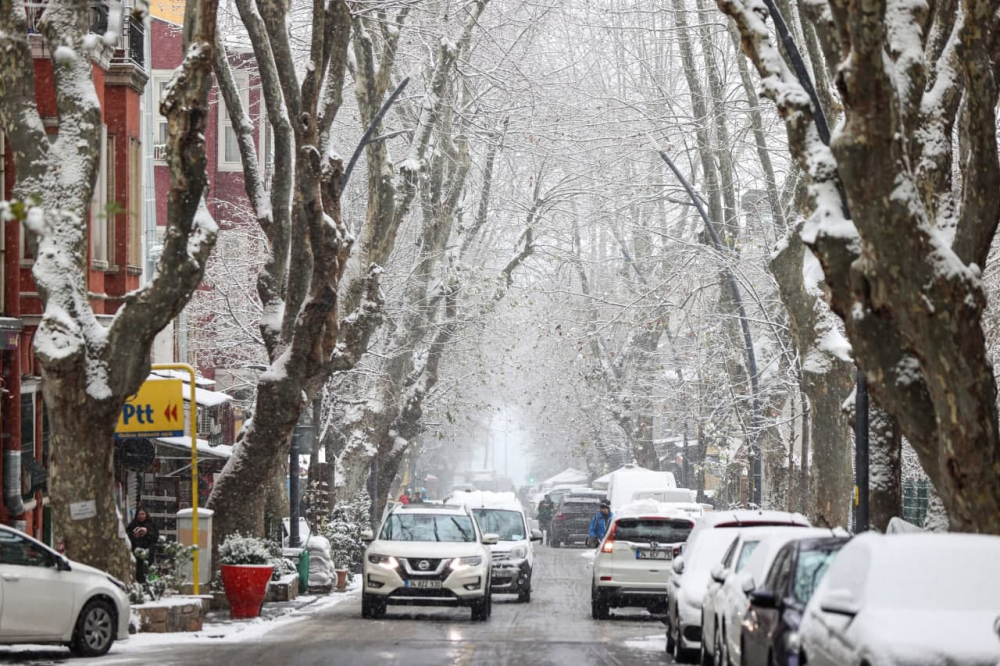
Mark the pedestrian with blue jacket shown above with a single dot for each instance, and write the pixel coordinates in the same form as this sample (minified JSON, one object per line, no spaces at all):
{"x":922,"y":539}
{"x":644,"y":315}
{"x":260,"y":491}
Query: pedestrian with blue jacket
{"x":599,"y":523}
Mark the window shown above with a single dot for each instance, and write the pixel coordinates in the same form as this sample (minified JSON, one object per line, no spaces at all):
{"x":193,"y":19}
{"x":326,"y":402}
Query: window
{"x":777,"y":578}
{"x":18,"y":551}
{"x":28,"y":423}
{"x":649,"y":530}
{"x":812,"y":566}
{"x":160,"y":80}
{"x":507,"y":524}
{"x":428,"y":527}
{"x":134,"y":250}
{"x":748,"y":548}
{"x":229,"y":148}
{"x":100,"y":222}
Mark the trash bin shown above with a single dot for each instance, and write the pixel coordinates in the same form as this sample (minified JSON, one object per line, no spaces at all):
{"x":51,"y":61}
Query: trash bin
{"x":303,"y":571}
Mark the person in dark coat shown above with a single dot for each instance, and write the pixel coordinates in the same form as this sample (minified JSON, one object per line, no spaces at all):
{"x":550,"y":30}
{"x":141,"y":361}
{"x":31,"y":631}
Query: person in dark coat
{"x":143,"y":533}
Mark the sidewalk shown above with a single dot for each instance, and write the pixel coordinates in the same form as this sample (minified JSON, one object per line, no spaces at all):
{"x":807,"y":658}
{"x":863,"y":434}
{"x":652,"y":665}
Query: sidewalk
{"x":219,"y":627}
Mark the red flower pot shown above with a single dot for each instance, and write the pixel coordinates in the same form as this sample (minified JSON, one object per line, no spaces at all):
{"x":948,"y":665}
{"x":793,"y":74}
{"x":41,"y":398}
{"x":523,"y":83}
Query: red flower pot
{"x":246,"y":587}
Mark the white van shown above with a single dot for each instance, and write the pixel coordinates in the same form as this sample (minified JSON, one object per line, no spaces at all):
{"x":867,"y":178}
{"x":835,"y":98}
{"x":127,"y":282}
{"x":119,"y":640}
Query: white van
{"x":631,"y":478}
{"x":513,"y":555}
{"x":681,"y":499}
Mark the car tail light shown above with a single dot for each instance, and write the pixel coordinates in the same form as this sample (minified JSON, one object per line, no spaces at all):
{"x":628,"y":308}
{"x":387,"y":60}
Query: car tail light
{"x":561,"y":516}
{"x":609,"y":541}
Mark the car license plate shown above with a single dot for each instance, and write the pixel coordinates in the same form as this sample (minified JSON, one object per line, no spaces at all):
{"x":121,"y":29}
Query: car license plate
{"x":653,"y":555}
{"x":424,"y":584}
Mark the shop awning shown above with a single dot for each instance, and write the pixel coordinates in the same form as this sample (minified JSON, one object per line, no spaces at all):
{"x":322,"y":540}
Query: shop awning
{"x":204,"y":448}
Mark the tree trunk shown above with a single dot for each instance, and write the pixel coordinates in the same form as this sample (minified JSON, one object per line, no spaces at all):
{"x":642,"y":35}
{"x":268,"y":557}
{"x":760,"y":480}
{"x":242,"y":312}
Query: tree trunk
{"x":804,"y":476}
{"x":80,"y":466}
{"x":885,"y":471}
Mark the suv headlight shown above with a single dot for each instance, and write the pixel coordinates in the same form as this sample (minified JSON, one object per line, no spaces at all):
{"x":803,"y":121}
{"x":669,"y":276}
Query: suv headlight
{"x":465,"y":562}
{"x":518,"y":552}
{"x":385,"y":560}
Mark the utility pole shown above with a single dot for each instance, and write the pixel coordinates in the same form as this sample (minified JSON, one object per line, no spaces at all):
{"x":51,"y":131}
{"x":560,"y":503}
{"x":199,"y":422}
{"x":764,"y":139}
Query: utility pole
{"x":861,"y":488}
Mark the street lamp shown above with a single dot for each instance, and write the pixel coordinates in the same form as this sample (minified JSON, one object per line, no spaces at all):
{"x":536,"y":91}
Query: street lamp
{"x":302,"y":442}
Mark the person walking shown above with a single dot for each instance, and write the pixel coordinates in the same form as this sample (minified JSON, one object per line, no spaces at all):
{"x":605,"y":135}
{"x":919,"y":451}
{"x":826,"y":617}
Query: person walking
{"x":143,"y":534}
{"x":545,"y":509}
{"x":599,"y":523}
{"x":404,"y":498}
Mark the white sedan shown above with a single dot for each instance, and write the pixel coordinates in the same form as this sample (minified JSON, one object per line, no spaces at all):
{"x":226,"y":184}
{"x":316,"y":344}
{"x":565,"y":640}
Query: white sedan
{"x":907,"y":599}
{"x":45,"y":598}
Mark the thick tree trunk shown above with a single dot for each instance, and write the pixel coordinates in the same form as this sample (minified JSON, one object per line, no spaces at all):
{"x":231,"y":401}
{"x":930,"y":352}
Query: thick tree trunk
{"x":804,"y":475}
{"x":885,"y":480}
{"x":81,"y":474}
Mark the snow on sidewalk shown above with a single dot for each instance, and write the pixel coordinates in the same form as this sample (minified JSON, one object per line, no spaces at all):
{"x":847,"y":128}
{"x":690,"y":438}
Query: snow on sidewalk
{"x":219,"y":627}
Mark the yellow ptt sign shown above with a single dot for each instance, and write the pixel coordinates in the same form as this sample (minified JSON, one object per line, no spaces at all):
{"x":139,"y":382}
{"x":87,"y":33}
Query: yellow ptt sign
{"x":157,"y":410}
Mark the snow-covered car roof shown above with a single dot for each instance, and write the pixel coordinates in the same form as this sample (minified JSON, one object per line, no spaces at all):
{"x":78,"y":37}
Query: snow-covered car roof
{"x":650,"y":508}
{"x":749,"y":518}
{"x":485,"y":499}
{"x":444,"y":509}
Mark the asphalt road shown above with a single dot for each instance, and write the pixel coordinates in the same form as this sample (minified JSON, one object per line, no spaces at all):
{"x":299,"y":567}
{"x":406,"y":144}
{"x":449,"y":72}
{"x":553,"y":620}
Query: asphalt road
{"x":554,"y":629}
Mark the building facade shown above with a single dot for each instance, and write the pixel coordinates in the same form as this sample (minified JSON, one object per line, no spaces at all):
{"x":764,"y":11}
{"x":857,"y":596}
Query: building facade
{"x":114,"y":261}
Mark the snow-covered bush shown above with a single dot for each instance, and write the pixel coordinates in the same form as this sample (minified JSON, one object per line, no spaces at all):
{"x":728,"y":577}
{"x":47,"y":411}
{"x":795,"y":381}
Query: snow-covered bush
{"x":282,"y":567}
{"x":165,"y":576}
{"x":240,"y":549}
{"x":344,"y":531}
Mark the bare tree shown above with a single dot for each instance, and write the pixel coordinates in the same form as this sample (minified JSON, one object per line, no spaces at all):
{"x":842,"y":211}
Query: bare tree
{"x":88,"y":371}
{"x":904,"y":273}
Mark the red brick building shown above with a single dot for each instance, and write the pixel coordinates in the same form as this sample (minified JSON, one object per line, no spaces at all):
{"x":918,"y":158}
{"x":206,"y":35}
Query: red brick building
{"x":115,"y":257}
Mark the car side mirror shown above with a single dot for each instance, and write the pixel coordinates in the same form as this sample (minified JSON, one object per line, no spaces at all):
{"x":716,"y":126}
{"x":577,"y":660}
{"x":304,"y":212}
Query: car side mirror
{"x":536,"y":535}
{"x":719,"y":573}
{"x":747,"y":585}
{"x":679,"y":565}
{"x":763,"y":599}
{"x":367,"y":536}
{"x":491,"y":539}
{"x":840,"y":602}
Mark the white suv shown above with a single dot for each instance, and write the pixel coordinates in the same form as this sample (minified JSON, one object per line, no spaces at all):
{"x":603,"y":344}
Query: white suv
{"x":632,"y":563}
{"x":428,"y":555}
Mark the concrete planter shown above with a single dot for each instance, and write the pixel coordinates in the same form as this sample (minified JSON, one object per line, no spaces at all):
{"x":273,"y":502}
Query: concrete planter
{"x":171,"y":615}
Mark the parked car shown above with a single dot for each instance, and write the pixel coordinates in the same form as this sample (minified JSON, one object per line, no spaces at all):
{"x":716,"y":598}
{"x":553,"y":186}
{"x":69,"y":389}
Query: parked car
{"x":632,"y":563}
{"x":904,"y":599}
{"x":691,"y":571}
{"x":46,"y":598}
{"x":513,"y":556}
{"x":571,"y":521}
{"x":744,"y":568}
{"x":428,"y":555}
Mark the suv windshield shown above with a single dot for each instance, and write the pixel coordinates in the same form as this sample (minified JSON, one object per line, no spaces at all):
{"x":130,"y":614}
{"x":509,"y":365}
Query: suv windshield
{"x":507,"y":524}
{"x":427,"y":527}
{"x":647,"y":530}
{"x":580,"y":505}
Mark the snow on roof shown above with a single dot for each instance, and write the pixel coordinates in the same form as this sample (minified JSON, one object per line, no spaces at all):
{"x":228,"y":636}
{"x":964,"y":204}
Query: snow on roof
{"x":204,"y":397}
{"x":568,"y":475}
{"x":184,"y":444}
{"x":485,"y":499}
{"x":177,"y":374}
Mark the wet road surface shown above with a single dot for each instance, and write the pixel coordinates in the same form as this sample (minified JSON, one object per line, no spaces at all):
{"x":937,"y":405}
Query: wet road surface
{"x":554,"y":629}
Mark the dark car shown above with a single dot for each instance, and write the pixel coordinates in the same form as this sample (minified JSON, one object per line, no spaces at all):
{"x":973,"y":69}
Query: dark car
{"x":571,"y":520}
{"x":771,"y":626}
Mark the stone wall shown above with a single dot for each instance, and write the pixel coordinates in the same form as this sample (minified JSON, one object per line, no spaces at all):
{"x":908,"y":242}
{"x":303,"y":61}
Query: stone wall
{"x":171,"y":615}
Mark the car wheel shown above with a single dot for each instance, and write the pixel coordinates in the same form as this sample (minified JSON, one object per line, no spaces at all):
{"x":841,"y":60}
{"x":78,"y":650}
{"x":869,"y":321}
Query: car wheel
{"x":704,"y":657}
{"x":683,"y":655}
{"x":599,"y":609}
{"x":372,"y":607}
{"x":524,"y":594}
{"x":670,"y":634}
{"x":481,"y":609}
{"x":96,"y":629}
